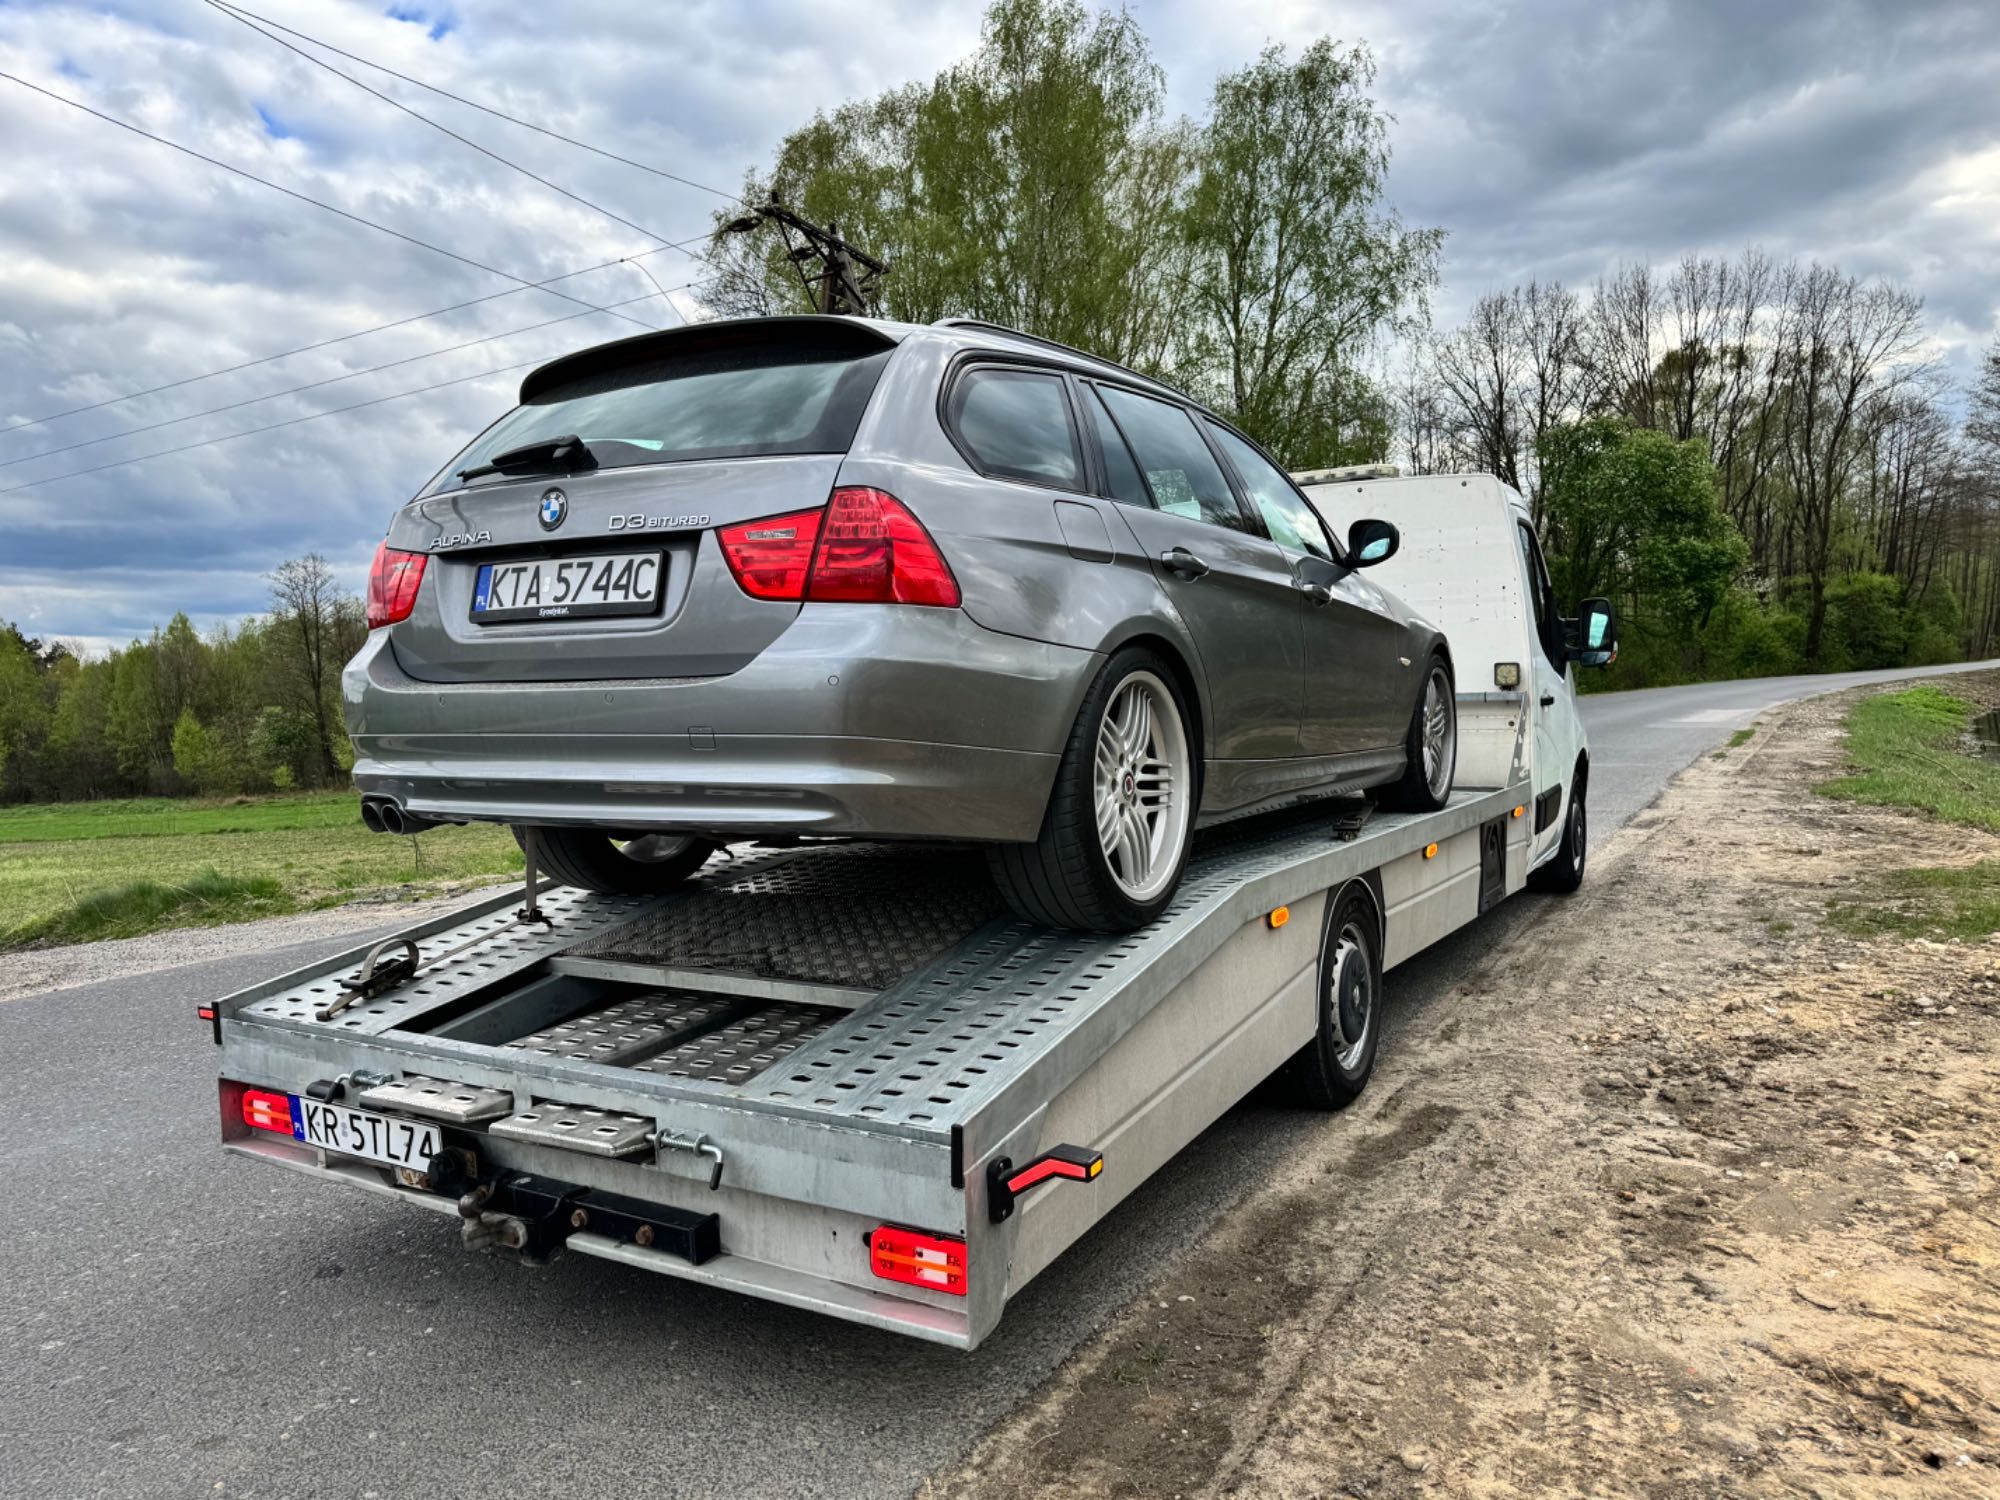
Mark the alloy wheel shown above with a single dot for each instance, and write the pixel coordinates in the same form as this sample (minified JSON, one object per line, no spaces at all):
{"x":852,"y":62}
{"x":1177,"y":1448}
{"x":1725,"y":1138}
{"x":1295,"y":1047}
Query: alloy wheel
{"x":1144,"y":786}
{"x":1440,"y":733}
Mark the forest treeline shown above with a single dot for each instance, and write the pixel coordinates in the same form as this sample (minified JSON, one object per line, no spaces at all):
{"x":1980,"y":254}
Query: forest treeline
{"x":254,"y":707}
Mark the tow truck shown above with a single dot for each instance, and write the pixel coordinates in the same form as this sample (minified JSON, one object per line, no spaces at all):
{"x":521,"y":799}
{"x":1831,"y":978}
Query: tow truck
{"x":843,"y":1077}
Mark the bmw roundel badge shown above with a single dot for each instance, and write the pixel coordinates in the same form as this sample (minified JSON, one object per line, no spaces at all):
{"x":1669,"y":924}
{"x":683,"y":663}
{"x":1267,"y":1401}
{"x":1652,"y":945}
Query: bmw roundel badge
{"x":555,"y":505}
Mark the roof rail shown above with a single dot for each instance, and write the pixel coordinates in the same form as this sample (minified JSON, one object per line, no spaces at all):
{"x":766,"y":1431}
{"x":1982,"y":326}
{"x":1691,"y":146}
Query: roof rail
{"x":1346,"y":472}
{"x":987,"y":326}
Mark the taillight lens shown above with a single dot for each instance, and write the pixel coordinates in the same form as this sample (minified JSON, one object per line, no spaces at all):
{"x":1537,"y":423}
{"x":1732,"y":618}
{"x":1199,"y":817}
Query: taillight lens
{"x":918,"y":1259}
{"x":264,"y":1110}
{"x":772,"y":557}
{"x":393,"y":580}
{"x":864,"y":548}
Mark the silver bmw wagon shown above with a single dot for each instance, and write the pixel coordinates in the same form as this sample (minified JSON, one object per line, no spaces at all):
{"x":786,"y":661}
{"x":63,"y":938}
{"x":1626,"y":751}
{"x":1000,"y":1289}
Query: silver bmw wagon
{"x":815,"y":577}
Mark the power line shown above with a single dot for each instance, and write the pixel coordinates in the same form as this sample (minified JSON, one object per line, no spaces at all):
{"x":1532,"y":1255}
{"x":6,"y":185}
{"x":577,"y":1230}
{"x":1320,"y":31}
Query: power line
{"x":485,"y":108}
{"x":301,"y":197}
{"x":268,"y":427}
{"x":266,"y":359}
{"x":330,"y":380}
{"x":320,"y":62}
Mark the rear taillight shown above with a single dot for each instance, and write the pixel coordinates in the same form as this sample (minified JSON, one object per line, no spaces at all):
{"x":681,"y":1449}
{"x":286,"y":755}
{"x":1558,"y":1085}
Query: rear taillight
{"x":393,"y":581}
{"x":918,"y":1259}
{"x":264,"y":1110}
{"x":864,"y":548}
{"x":771,"y":557}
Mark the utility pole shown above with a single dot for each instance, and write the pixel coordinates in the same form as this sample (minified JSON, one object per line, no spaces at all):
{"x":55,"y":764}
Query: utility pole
{"x":846,"y":277}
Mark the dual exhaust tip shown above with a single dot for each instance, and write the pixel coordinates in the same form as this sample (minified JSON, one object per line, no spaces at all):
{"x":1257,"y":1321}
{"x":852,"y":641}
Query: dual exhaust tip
{"x":386,"y":815}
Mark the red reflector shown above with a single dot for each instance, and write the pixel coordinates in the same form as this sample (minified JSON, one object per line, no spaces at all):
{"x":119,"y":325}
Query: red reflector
{"x":206,"y":1012}
{"x":917,"y":1259}
{"x":771,"y":557}
{"x":393,"y":580}
{"x":264,"y":1110}
{"x":873,"y":551}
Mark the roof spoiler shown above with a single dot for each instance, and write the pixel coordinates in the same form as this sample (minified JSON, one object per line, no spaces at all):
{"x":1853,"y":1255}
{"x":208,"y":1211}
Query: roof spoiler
{"x":848,"y":335}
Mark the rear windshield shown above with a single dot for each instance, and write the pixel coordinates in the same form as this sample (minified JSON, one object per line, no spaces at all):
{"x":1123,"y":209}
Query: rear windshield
{"x":739,"y":402}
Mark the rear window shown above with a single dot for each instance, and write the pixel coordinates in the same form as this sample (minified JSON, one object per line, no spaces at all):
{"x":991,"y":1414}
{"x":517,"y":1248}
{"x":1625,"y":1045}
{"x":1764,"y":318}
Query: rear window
{"x":737,"y":402}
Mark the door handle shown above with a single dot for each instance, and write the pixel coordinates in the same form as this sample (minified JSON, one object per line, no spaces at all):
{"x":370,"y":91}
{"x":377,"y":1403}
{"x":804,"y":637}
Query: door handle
{"x":1183,"y":563}
{"x":1318,"y":593}
{"x":1548,"y":700}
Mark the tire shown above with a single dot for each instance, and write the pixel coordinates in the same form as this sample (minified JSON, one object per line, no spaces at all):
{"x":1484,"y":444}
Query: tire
{"x":1430,"y":744}
{"x":1332,"y":1069}
{"x":597,"y":861}
{"x":1564,"y":873}
{"x":1120,"y":820}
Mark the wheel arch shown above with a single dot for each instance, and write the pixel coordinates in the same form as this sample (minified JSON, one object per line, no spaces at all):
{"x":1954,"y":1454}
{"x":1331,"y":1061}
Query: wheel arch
{"x":1186,"y":677}
{"x":1370,"y":886}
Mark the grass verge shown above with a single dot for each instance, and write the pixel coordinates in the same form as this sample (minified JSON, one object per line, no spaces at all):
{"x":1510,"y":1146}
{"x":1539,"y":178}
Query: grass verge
{"x":1908,"y":750}
{"x":86,"y":871}
{"x":1962,"y":903}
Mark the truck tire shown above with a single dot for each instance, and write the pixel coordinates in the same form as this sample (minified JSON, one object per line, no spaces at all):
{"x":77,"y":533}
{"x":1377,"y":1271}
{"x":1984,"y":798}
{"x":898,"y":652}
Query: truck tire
{"x":1430,"y":744}
{"x":1120,"y":820}
{"x":1564,"y":874}
{"x":1331,"y":1070}
{"x":594,"y":860}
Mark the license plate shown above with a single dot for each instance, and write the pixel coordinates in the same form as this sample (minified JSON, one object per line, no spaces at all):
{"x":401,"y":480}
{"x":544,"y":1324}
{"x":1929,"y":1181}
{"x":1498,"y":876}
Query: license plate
{"x":362,"y":1133}
{"x":567,"y":588}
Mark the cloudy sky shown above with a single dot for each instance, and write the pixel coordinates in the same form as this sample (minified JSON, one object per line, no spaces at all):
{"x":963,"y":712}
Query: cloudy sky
{"x":1551,"y":138}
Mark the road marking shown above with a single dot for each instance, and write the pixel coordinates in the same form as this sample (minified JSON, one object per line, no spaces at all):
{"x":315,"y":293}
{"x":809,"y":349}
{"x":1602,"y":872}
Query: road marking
{"x":1713,"y":716}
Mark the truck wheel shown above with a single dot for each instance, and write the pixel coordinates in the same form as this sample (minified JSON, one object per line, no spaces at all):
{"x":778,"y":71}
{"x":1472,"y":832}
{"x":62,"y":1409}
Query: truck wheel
{"x":1564,"y":873}
{"x":1331,"y":1070}
{"x":599,"y":861}
{"x":1120,"y":820}
{"x":1430,"y":745}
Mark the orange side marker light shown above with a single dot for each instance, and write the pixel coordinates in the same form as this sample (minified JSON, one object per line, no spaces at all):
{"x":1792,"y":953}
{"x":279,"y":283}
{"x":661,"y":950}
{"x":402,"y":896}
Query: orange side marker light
{"x":1430,"y":851}
{"x":1279,"y":916}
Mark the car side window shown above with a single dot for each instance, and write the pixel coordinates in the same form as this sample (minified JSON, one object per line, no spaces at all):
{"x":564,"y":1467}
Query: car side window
{"x":1016,"y":424}
{"x":1541,"y":594}
{"x":1122,"y":478}
{"x":1290,"y":520}
{"x":1183,"y":475}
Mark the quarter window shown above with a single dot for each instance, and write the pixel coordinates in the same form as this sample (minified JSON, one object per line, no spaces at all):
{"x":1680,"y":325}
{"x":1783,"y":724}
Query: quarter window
{"x":1287,"y":516}
{"x":1182,"y":474}
{"x":1122,"y":478}
{"x":1015,"y":423}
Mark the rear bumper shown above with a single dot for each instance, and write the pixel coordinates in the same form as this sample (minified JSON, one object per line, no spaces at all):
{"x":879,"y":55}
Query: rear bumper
{"x":888,"y":722}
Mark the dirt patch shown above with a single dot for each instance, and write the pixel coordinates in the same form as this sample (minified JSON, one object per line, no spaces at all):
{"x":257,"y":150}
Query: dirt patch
{"x":1684,"y":1195}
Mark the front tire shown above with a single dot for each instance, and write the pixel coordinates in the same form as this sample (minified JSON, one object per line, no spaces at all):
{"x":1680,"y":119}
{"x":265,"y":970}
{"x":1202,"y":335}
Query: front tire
{"x":1430,"y":744}
{"x":1120,"y":819}
{"x":597,"y":861}
{"x":1332,"y":1069}
{"x":1564,"y":873}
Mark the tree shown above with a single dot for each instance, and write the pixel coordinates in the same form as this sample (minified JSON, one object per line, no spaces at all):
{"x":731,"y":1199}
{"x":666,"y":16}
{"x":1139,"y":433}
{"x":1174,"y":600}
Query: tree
{"x":1298,"y":265}
{"x":23,"y":708}
{"x":195,"y":756}
{"x":314,"y":631}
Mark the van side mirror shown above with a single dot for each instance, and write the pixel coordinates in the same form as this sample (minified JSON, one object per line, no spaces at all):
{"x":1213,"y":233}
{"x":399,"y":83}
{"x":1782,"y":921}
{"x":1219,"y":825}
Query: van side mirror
{"x":1596,"y":639}
{"x":1370,"y":542}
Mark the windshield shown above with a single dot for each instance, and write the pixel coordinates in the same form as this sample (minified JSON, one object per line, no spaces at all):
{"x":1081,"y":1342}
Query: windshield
{"x":718,"y":403}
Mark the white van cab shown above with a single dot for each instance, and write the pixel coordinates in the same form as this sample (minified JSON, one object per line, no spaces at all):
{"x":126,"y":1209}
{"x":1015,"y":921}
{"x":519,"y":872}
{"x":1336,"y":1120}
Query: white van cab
{"x":1512,"y":653}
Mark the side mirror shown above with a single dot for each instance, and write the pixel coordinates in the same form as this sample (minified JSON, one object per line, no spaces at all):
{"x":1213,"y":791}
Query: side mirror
{"x":1370,"y":542}
{"x":1596,"y":634}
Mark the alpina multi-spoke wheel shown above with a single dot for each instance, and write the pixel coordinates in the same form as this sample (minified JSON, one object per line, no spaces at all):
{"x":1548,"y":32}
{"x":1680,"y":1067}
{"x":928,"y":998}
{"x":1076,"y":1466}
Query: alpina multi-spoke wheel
{"x":1120,"y":819}
{"x":1431,"y":743}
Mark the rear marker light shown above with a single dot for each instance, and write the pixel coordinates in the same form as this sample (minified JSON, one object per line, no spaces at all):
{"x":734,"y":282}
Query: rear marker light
{"x":1005,"y":1182}
{"x":918,"y":1259}
{"x":864,"y":548}
{"x":264,"y":1110}
{"x":393,"y":580}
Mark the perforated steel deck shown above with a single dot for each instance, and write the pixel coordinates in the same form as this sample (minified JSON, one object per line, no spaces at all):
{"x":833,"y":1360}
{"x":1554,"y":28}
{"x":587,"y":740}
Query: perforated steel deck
{"x":629,"y":1030}
{"x":859,"y":915}
{"x":744,"y":1048}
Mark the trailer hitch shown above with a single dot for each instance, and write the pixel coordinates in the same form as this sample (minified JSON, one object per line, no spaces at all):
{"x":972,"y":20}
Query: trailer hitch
{"x":1005,"y":1182}
{"x":535,"y":1215}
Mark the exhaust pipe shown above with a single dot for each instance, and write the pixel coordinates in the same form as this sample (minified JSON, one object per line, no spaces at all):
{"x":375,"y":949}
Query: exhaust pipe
{"x":386,"y":815}
{"x":391,"y":816}
{"x":371,"y":815}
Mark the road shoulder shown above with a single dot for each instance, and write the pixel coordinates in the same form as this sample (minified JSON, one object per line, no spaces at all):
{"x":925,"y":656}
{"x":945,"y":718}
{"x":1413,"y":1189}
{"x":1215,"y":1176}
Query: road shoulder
{"x":1684,"y":1193}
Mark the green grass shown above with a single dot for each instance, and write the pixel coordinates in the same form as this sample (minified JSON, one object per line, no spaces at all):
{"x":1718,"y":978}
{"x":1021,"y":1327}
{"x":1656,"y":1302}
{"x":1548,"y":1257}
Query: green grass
{"x":1963,"y":903}
{"x":77,"y":872}
{"x":1908,"y":748}
{"x":1741,"y":737}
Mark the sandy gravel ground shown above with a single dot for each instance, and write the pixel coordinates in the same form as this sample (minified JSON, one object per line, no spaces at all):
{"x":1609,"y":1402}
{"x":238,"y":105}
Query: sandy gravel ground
{"x":33,"y":971}
{"x":1670,"y":1200}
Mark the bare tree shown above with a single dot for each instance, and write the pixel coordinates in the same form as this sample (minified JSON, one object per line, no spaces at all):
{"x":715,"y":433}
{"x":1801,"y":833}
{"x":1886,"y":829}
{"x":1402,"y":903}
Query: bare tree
{"x":314,"y":622}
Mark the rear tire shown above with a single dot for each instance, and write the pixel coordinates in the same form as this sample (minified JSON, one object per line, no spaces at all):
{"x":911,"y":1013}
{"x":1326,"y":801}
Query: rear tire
{"x":594,"y":860}
{"x":1332,"y":1069}
{"x":1120,"y":818}
{"x":1564,"y":874}
{"x":1430,"y":744}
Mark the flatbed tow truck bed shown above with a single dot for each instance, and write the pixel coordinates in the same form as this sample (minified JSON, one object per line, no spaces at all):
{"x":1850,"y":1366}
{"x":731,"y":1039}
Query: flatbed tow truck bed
{"x":841,"y":1077}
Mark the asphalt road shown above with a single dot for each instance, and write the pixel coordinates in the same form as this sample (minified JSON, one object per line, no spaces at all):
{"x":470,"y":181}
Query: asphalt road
{"x":182,"y":1323}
